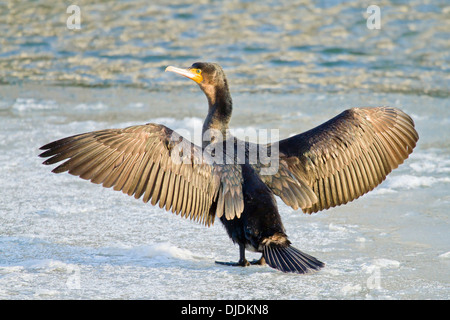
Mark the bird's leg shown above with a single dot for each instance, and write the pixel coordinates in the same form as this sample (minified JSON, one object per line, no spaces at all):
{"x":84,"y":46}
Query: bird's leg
{"x":242,"y":261}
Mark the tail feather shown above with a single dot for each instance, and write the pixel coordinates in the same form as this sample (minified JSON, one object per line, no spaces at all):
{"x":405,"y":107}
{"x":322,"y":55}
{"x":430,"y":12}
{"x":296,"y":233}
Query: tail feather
{"x":290,"y":259}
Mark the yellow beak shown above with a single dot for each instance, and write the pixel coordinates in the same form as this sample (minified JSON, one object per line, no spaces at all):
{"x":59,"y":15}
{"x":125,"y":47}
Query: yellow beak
{"x":189,"y":73}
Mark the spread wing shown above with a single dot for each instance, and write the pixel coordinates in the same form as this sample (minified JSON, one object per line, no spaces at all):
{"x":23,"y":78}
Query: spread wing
{"x":153,"y":162}
{"x":348,"y":155}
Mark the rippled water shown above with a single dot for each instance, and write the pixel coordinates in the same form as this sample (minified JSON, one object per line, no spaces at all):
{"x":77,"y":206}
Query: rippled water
{"x":291,"y":65}
{"x":278,"y":45}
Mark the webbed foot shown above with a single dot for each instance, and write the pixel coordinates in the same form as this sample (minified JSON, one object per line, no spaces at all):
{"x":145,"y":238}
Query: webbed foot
{"x":260,"y":262}
{"x":240,"y":263}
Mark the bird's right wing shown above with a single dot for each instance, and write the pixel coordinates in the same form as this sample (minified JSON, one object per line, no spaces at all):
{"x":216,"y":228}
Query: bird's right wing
{"x":151,"y":161}
{"x":348,"y":155}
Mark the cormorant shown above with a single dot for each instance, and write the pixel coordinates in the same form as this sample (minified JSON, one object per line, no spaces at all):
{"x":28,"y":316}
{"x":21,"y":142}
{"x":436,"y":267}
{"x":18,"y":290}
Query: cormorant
{"x":324,"y":167}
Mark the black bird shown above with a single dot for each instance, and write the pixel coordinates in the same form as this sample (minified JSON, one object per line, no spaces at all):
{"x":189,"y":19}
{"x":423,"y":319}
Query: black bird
{"x":324,"y":167}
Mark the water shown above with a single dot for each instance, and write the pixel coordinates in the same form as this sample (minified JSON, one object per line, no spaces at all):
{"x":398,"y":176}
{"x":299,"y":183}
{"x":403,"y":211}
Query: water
{"x":291,"y":66}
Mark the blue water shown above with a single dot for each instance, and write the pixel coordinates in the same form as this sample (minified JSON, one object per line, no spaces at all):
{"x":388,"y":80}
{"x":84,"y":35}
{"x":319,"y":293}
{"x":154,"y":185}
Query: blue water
{"x":290,"y":66}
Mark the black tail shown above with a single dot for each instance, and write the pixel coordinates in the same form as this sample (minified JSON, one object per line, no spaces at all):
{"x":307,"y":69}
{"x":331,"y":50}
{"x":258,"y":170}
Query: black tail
{"x":290,"y":259}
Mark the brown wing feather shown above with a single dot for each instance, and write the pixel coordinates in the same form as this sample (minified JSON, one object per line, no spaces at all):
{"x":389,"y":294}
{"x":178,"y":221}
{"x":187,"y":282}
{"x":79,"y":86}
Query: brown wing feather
{"x":293,"y":191}
{"x":350,"y":154}
{"x":230,"y":197}
{"x":137,"y":160}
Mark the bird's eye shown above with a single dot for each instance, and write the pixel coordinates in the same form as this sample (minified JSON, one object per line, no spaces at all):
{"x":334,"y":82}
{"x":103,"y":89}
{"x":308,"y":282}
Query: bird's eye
{"x":199,"y":71}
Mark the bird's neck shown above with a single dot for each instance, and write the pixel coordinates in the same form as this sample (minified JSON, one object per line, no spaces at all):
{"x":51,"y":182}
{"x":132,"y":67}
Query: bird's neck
{"x":219,"y":111}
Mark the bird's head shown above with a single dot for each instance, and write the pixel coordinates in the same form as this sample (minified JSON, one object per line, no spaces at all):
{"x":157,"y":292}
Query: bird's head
{"x":209,"y":76}
{"x":205,"y":73}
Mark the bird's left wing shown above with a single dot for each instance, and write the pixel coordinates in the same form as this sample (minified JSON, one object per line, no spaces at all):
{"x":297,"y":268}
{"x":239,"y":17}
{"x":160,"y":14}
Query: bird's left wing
{"x":148,"y":160}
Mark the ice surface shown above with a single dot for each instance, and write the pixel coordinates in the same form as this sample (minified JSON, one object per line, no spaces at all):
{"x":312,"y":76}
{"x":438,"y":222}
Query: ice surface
{"x":62,"y":237}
